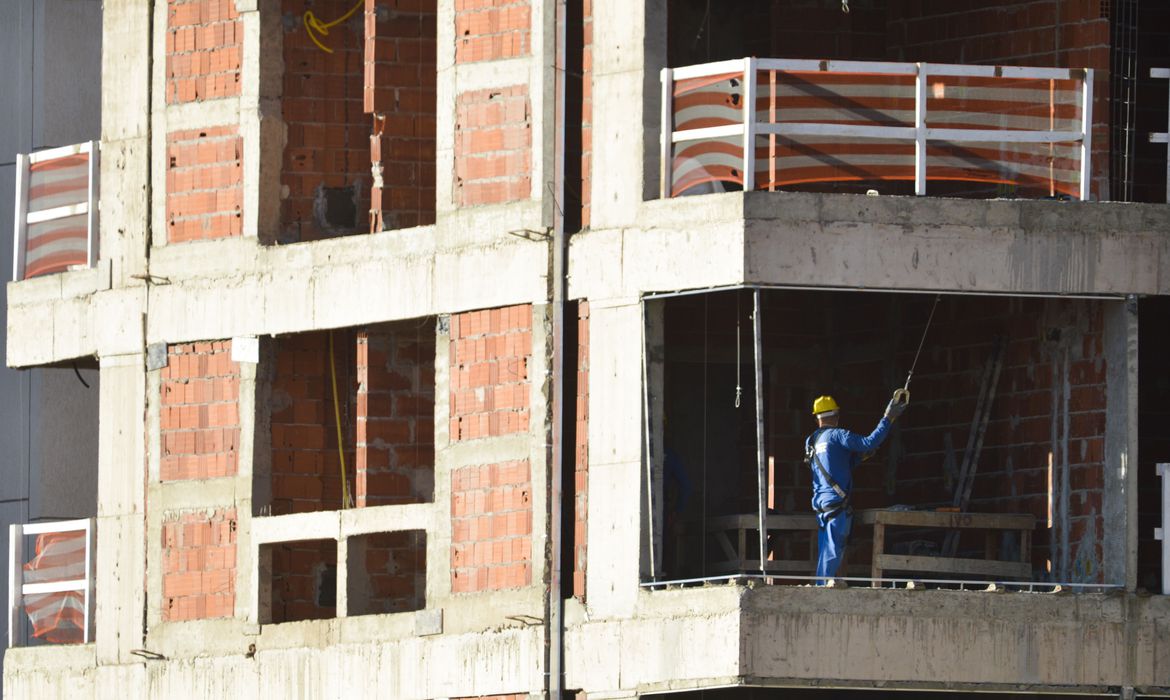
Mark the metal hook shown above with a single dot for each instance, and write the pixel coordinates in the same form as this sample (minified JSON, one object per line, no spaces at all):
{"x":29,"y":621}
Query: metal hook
{"x":845,"y":6}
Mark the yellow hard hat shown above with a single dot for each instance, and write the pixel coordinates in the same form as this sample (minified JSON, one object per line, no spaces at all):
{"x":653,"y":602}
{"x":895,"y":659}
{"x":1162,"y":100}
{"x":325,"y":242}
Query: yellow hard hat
{"x":824,"y":404}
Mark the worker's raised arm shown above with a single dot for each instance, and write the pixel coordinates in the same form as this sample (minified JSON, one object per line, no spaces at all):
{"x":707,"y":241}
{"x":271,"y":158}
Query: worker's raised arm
{"x":856,"y":443}
{"x":868,"y":443}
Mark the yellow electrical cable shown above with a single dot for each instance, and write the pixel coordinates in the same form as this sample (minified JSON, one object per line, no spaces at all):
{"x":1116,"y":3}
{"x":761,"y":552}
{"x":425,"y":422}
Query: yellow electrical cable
{"x":337,"y":417}
{"x":322,"y":28}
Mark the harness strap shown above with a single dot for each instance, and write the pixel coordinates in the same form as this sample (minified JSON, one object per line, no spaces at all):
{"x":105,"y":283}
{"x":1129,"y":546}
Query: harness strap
{"x":816,"y":460}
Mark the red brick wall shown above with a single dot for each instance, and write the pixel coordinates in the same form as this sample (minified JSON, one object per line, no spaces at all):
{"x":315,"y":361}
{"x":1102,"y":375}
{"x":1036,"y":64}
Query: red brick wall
{"x":200,"y":415}
{"x":400,"y":74}
{"x":328,"y":134}
{"x":204,"y":184}
{"x":581,"y":454}
{"x":491,"y":29}
{"x":199,"y":565}
{"x":204,"y":39}
{"x":395,"y":414}
{"x":489,"y":357}
{"x":493,"y":146}
{"x":491,"y":520}
{"x":305,"y":462}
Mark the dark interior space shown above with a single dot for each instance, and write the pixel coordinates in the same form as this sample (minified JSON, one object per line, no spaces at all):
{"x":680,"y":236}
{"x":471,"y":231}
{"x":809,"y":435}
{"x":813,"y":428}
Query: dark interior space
{"x":387,"y":573}
{"x":303,"y":581}
{"x":1153,"y":433}
{"x":1036,"y":449}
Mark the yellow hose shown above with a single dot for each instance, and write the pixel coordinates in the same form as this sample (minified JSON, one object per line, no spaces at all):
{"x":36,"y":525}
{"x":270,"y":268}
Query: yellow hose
{"x":313,"y":24}
{"x":345,"y":502}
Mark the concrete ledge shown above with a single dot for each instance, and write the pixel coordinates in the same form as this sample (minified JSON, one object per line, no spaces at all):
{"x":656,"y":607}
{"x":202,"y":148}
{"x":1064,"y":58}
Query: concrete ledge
{"x":951,"y":639}
{"x":895,"y":243}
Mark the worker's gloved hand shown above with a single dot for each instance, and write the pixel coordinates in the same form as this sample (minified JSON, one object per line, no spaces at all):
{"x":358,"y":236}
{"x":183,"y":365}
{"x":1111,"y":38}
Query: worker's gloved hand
{"x":894,"y":409}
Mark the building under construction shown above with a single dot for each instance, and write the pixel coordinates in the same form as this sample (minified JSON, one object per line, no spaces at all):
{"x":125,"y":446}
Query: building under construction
{"x":467,"y":348}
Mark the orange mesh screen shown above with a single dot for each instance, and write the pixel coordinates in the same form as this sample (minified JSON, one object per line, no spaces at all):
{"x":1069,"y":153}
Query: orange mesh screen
{"x":57,"y":617}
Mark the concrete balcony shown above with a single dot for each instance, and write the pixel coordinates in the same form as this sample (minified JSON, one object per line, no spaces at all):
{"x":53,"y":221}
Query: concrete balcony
{"x":878,"y":242}
{"x":776,"y":636}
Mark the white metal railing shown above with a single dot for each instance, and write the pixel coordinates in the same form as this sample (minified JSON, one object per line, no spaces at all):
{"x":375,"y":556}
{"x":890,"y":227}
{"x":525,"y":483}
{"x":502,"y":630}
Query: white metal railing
{"x":732,"y":138}
{"x":56,"y":221}
{"x":19,"y":591}
{"x":1163,"y":137}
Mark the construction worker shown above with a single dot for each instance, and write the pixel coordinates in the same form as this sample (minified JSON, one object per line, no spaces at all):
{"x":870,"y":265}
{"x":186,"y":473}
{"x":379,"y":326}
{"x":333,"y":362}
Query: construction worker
{"x":833,"y":453}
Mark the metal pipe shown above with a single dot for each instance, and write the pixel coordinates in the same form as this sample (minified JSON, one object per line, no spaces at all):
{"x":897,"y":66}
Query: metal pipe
{"x":761,"y":474}
{"x":815,"y":288}
{"x":555,"y":603}
{"x":728,"y":578}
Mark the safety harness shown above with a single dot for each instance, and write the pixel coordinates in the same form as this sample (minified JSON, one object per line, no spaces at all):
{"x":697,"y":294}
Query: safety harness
{"x":811,"y":457}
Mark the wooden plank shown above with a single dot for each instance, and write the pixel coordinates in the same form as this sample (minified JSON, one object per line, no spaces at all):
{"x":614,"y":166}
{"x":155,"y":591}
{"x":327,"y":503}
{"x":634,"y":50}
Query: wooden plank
{"x":879,"y":548}
{"x":949,"y":520}
{"x":950,"y":565}
{"x":775,"y":521}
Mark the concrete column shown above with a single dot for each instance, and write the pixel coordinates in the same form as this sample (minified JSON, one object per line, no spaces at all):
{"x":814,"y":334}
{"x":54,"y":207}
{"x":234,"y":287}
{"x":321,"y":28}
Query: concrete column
{"x":629,"y":51}
{"x":617,"y":507}
{"x":121,"y":518}
{"x":125,"y":165}
{"x":261,"y":123}
{"x":1120,"y":500}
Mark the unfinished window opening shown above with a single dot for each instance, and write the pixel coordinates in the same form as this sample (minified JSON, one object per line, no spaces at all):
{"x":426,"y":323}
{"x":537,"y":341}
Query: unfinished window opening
{"x":370,"y":390}
{"x":1036,"y":455}
{"x":303,"y":580}
{"x":386,"y":572}
{"x":359,"y":103}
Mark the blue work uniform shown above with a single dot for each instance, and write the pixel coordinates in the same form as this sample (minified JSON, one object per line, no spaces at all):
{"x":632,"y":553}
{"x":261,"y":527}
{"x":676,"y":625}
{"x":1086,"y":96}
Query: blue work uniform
{"x":839,"y":452}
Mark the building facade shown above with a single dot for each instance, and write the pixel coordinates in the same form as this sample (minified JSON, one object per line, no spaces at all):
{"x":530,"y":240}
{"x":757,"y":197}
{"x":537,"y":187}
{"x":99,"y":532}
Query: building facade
{"x":422,"y":375}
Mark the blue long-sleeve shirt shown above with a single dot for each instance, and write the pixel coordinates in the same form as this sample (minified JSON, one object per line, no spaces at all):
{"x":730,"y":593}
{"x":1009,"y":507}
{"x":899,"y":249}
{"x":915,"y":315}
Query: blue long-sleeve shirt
{"x":840,"y":452}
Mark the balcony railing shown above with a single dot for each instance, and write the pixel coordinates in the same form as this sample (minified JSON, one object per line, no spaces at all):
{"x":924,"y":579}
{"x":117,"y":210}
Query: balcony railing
{"x":55,"y":587}
{"x":766,"y":124}
{"x":56,"y":210}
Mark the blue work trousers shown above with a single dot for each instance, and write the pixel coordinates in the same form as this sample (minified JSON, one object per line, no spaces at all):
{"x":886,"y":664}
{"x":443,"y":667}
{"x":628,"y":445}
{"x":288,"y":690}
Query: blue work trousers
{"x":831,"y":540}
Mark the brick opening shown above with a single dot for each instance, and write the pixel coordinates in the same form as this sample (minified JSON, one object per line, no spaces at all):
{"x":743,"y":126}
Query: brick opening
{"x":1045,"y":430}
{"x":302,"y":584}
{"x":386,"y":572}
{"x":1003,"y":32}
{"x":385,"y":380}
{"x":360,"y":152}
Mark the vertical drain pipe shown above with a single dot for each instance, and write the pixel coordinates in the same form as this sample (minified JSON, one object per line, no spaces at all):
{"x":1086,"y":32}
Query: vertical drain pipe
{"x":555,"y":604}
